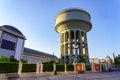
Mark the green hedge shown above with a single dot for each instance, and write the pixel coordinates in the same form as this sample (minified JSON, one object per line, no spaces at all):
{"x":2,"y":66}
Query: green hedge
{"x":47,"y":67}
{"x":70,"y":67}
{"x":29,"y":68}
{"x":88,"y":67}
{"x":60,"y":67}
{"x":8,"y":67}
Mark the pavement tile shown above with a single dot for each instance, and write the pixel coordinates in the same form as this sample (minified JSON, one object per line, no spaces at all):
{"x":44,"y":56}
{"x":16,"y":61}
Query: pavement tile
{"x":85,"y":76}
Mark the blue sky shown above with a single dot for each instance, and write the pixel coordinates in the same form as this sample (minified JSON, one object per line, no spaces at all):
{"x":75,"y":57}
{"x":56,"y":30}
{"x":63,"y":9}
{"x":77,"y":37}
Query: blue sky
{"x":36,"y":20}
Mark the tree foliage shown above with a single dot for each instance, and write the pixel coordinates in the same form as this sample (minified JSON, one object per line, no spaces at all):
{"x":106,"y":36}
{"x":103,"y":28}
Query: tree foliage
{"x":12,"y":59}
{"x":81,"y":58}
{"x":24,"y":61}
{"x":117,"y":59}
{"x":4,"y":59}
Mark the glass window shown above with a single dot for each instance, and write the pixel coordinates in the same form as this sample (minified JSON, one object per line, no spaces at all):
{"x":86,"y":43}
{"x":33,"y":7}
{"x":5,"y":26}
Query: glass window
{"x":8,"y":45}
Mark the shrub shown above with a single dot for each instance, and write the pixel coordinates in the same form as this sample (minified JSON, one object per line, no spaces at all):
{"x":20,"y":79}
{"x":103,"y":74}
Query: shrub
{"x":60,"y":67}
{"x":50,"y":62}
{"x":8,"y":67}
{"x":4,"y":59}
{"x":47,"y":67}
{"x":70,"y":67}
{"x":29,"y":68}
{"x":12,"y":59}
{"x":24,"y":61}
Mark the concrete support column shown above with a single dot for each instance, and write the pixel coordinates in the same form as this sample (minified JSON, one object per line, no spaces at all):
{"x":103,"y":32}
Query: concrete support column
{"x":62,"y":37}
{"x":64,"y":48}
{"x":37,"y":68}
{"x":74,"y":67}
{"x":86,"y":47}
{"x":70,"y":48}
{"x":20,"y":68}
{"x":69,"y":35}
{"x":64,"y":44}
{"x":61,"y":49}
{"x":61,"y":52}
{"x":54,"y":67}
{"x":83,"y":65}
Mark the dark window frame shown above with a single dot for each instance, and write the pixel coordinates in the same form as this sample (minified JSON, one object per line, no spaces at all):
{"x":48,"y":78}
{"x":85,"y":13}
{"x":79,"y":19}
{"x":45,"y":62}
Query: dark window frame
{"x":8,"y":45}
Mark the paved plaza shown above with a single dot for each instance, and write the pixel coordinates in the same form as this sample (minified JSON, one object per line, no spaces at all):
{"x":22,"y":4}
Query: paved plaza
{"x":85,"y":76}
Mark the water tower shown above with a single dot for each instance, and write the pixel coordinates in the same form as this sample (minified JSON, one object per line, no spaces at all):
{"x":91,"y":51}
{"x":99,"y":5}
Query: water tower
{"x":73,"y":25}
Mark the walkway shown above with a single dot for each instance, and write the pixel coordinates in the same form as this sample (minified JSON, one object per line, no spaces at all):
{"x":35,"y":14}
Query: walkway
{"x":86,"y":76}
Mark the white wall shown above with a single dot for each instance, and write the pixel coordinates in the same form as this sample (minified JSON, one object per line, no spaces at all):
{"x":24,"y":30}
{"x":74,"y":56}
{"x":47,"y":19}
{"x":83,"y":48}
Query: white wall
{"x":0,"y":34}
{"x":17,"y":53}
{"x":6,"y":36}
{"x":9,"y":37}
{"x":6,"y":53}
{"x":19,"y":49}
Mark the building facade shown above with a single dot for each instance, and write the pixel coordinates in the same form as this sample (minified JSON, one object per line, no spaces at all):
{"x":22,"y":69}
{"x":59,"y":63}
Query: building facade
{"x":34,"y":56}
{"x":107,"y":59}
{"x":73,"y":25}
{"x":94,"y":61}
{"x":11,"y":42}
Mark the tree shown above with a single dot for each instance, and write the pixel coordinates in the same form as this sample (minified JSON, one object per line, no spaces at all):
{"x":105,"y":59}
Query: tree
{"x":117,"y":59}
{"x":4,"y":59}
{"x":12,"y":59}
{"x":24,"y":61}
{"x":81,"y":58}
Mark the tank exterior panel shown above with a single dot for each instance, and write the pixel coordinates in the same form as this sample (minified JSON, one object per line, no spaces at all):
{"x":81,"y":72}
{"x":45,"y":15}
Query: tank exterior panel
{"x":72,"y":16}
